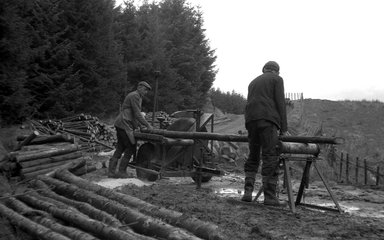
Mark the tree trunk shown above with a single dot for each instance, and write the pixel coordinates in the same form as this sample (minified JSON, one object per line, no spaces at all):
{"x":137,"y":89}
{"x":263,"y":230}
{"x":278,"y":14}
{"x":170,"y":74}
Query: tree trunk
{"x":81,"y":206}
{"x":48,"y":165}
{"x":200,"y":228}
{"x":139,"y":222}
{"x":52,"y":159}
{"x":48,"y":139}
{"x":47,"y":153}
{"x":42,"y":218}
{"x":27,"y":140}
{"x":62,"y":165}
{"x":30,"y":226}
{"x":100,"y":229}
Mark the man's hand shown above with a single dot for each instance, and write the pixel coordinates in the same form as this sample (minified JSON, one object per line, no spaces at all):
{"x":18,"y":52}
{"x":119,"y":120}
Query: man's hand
{"x":286,"y":133}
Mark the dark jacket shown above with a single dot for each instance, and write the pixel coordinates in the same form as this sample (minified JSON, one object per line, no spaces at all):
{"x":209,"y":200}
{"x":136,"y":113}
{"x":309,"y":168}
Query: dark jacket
{"x":266,"y":100}
{"x":130,"y":115}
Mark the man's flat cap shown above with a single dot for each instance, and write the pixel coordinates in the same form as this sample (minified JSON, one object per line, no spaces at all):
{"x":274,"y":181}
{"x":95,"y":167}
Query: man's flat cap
{"x":145,"y":84}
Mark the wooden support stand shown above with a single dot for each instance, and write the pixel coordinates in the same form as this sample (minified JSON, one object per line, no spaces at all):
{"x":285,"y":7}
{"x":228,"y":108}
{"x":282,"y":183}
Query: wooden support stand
{"x":304,"y":183}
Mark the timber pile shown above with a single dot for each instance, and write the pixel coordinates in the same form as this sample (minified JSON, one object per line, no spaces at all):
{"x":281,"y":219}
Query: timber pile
{"x":162,"y":119}
{"x":64,"y":206}
{"x":38,"y":154}
{"x":88,"y":129}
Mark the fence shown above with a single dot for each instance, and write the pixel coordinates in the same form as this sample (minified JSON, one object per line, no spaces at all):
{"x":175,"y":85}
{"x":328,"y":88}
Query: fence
{"x":294,"y":96}
{"x":355,"y":170}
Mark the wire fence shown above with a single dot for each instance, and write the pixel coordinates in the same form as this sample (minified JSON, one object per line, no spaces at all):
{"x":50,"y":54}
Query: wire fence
{"x":354,"y":170}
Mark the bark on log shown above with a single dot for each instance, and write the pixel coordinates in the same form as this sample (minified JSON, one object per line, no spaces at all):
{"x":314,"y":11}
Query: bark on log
{"x":67,"y":166}
{"x":64,"y":165}
{"x":84,"y":170}
{"x":27,"y":140}
{"x":200,"y":228}
{"x":43,"y":218}
{"x":98,"y":228}
{"x":30,"y":226}
{"x":47,"y":165}
{"x":48,"y":153}
{"x":49,"y":139}
{"x":138,"y":221}
{"x":81,"y":206}
{"x":52,"y":159}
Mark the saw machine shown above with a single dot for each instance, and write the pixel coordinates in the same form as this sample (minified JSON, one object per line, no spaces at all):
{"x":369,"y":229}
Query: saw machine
{"x":161,"y":156}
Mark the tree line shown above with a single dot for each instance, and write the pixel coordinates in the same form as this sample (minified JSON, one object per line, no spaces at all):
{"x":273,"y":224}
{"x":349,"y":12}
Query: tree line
{"x":229,"y":102}
{"x":61,"y":57}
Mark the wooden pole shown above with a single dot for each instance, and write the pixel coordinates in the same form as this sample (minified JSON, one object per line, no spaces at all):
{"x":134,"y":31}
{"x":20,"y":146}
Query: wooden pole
{"x":341,"y":167}
{"x":365,"y":172}
{"x":357,"y":170}
{"x":347,"y":169}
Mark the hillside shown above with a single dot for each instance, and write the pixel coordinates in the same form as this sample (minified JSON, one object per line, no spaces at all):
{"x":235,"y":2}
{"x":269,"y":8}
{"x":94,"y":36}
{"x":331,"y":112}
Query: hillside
{"x":360,"y":123}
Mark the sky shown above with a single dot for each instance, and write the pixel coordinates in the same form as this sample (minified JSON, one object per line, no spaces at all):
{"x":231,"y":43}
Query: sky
{"x":326,"y":49}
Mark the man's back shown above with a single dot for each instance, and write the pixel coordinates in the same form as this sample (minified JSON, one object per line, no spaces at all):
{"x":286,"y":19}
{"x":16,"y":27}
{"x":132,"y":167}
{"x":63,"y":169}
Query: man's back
{"x":266,"y":100}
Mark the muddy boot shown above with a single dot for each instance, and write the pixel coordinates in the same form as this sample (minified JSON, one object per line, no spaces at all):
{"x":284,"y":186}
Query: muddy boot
{"x":248,"y":186}
{"x":270,"y":197}
{"x":122,"y":172}
{"x":112,"y":167}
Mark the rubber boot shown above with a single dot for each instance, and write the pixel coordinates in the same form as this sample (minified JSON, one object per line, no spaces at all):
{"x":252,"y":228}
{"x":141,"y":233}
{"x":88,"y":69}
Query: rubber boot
{"x":248,"y":186}
{"x":270,"y":198}
{"x":122,"y":172}
{"x":112,"y":167}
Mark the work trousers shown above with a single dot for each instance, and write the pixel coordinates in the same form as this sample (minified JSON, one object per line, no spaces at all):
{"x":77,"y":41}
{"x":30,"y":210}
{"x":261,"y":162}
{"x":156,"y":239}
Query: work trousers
{"x":263,"y":140}
{"x":124,"y":145}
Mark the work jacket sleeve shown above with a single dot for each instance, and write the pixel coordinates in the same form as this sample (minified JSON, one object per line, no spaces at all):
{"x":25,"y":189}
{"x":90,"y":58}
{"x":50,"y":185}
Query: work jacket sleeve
{"x":280,"y":104}
{"x":136,"y":110}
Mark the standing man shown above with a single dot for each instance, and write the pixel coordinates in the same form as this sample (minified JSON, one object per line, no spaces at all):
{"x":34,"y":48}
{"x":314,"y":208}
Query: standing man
{"x":265,"y":118}
{"x":126,"y":122}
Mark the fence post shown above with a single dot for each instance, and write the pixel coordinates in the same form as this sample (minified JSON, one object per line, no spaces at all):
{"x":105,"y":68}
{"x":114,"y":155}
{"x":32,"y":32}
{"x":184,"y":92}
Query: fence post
{"x":365,"y":172}
{"x":347,"y":169}
{"x":378,"y":176}
{"x":357,"y":170}
{"x":341,"y":167}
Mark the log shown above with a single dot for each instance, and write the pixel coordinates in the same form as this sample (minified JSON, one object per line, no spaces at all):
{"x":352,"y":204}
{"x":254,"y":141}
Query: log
{"x":42,"y":218}
{"x":139,"y":222}
{"x":67,"y":166}
{"x":95,"y":141}
{"x":239,"y":138}
{"x":95,"y":227}
{"x":41,"y":139}
{"x":81,"y":206}
{"x":58,"y":158}
{"x":200,"y":228}
{"x":84,"y":170}
{"x":27,"y":140}
{"x":47,"y":165}
{"x":64,"y":165}
{"x":48,"y":153}
{"x":30,"y":226}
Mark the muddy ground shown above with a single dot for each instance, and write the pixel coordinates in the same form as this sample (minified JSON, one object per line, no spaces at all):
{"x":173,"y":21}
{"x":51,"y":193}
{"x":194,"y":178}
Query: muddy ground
{"x":218,"y":202}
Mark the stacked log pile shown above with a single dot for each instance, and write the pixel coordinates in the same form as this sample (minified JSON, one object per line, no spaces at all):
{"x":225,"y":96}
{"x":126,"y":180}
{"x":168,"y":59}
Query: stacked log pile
{"x":88,"y":129}
{"x":64,"y":206}
{"x":38,"y":154}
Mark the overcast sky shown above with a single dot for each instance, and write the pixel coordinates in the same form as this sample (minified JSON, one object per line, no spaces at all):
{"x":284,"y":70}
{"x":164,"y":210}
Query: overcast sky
{"x":327,"y":49}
